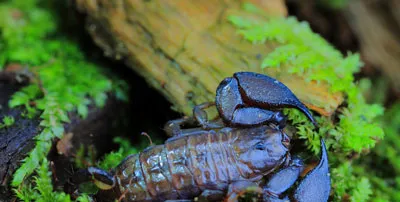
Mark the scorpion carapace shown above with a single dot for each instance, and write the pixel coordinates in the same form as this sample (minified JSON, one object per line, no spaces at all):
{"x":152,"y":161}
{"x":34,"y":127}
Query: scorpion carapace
{"x":208,"y":165}
{"x":247,"y":98}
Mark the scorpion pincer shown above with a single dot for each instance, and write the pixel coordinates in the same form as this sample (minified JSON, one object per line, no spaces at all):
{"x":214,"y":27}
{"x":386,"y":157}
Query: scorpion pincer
{"x":221,"y":159}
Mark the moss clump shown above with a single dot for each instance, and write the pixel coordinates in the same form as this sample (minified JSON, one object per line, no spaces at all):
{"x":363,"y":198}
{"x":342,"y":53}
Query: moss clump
{"x":43,"y":190}
{"x":63,"y":81}
{"x":111,"y":160}
{"x":305,"y":53}
{"x":383,"y":165}
{"x":7,"y":122}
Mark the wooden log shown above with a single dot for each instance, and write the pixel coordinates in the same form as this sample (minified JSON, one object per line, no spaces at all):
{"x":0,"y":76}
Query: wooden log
{"x":185,"y":48}
{"x":13,"y":148}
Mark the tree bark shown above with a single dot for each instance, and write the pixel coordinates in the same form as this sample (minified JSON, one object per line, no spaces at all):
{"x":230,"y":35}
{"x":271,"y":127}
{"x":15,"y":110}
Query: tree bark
{"x":185,"y":48}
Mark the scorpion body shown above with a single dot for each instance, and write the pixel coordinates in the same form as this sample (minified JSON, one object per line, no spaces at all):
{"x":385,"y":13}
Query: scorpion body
{"x":186,"y":166}
{"x":224,"y":158}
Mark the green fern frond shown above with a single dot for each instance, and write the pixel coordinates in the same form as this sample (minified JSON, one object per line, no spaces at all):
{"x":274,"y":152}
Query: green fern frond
{"x":306,"y":53}
{"x":43,"y":180}
{"x":63,"y":81}
{"x":31,"y":162}
{"x":84,"y":198}
{"x":362,"y":191}
{"x":25,"y":193}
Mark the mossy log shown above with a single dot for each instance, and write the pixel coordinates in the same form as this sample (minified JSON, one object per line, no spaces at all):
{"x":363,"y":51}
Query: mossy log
{"x":185,"y":48}
{"x":17,"y":140}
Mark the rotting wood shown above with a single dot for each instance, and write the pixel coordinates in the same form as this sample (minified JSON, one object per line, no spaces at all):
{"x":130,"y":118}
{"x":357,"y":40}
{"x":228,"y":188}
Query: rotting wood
{"x":185,"y":48}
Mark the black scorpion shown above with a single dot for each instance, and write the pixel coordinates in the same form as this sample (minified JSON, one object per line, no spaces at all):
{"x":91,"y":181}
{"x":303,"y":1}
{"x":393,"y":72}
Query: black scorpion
{"x":221,"y":159}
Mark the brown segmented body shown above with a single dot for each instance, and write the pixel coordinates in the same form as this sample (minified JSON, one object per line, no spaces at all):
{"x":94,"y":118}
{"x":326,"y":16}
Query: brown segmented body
{"x":185,"y":166}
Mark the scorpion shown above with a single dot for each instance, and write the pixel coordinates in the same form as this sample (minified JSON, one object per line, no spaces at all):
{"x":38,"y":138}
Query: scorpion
{"x":223,"y":158}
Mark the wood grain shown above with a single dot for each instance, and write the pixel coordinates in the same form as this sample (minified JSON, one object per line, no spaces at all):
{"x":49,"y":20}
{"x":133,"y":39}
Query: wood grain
{"x":185,"y":48}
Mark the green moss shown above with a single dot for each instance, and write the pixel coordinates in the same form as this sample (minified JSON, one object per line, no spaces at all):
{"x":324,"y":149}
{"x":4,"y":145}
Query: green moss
{"x":63,"y":82}
{"x":43,"y":190}
{"x":349,"y":181}
{"x":383,"y":166}
{"x":22,"y":23}
{"x":84,"y":198}
{"x":7,"y":122}
{"x":111,"y":160}
{"x":305,"y":53}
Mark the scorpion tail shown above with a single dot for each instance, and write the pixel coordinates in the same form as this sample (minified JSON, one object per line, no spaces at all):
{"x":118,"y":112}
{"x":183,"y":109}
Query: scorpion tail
{"x":102,"y":179}
{"x":316,"y":185}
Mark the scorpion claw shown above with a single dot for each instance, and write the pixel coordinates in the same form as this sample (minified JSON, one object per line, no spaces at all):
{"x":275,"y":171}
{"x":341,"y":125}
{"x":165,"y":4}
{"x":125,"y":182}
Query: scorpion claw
{"x":266,"y":92}
{"x":316,"y":185}
{"x":228,"y":98}
{"x":255,"y":116}
{"x":245,"y":100}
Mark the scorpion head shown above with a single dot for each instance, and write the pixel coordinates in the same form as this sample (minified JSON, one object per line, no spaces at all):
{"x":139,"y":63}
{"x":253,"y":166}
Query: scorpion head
{"x":261,"y":150}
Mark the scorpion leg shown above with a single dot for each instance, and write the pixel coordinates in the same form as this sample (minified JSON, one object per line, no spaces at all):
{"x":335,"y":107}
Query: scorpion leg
{"x":188,"y":132}
{"x":201,"y":116}
{"x":239,"y":188}
{"x":282,"y":180}
{"x":316,"y":185}
{"x":174,"y":127}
